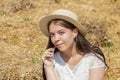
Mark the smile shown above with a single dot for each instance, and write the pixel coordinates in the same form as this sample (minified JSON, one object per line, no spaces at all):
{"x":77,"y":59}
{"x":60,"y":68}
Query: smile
{"x":59,"y":45}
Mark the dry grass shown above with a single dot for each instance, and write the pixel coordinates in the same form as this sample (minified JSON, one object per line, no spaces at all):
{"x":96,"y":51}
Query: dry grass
{"x":21,"y":42}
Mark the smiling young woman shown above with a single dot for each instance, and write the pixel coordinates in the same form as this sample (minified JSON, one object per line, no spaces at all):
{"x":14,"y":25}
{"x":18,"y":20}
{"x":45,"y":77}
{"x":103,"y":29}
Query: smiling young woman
{"x":69,"y":56}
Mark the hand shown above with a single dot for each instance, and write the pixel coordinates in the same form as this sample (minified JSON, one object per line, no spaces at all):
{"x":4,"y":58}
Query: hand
{"x":48,"y":57}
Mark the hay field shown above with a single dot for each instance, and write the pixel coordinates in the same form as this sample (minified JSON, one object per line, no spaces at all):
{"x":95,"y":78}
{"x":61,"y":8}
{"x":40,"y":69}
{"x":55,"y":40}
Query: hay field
{"x":22,"y":43}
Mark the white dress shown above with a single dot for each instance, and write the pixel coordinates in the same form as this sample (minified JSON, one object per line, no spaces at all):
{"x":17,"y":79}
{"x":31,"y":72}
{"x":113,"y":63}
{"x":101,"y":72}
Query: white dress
{"x":80,"y":71}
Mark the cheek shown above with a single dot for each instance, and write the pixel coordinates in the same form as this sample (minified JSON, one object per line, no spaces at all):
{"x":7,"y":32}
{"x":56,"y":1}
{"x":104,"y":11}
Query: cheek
{"x":52,"y":41}
{"x":68,"y":38}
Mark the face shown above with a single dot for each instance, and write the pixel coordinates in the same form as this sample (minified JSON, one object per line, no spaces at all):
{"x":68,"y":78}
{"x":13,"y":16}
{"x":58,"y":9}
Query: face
{"x":61,"y":37}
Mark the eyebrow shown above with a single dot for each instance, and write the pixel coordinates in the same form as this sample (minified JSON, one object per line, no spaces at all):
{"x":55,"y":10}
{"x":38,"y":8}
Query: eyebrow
{"x":58,"y":30}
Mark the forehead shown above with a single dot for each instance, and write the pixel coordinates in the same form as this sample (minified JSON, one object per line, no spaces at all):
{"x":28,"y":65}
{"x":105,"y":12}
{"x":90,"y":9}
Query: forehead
{"x":53,"y":27}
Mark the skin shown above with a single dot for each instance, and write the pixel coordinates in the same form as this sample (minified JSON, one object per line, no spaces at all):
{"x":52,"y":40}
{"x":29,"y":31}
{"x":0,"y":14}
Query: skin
{"x":63,"y":40}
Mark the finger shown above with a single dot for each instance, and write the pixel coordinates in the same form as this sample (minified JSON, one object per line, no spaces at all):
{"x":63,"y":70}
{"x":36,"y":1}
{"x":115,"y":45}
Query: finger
{"x":51,"y":50}
{"x":49,"y":53}
{"x":43,"y":57}
{"x":47,"y":56}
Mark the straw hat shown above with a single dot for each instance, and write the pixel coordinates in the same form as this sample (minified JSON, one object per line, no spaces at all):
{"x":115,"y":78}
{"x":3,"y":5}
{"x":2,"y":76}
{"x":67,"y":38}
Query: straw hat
{"x":61,"y":14}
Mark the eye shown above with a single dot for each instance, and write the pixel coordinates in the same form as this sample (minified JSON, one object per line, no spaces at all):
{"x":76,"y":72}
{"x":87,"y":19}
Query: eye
{"x":51,"y":35}
{"x":61,"y":32}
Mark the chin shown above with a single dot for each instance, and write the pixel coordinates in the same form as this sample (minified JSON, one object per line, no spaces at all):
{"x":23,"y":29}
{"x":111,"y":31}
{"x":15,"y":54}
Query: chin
{"x":62,"y":49}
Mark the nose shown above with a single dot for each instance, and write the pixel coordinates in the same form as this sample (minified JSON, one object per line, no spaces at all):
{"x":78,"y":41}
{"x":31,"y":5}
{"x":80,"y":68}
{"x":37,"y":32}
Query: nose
{"x":56,"y":38}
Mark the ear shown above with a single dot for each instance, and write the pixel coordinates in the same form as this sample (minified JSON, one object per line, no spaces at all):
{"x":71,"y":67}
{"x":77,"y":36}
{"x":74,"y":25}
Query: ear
{"x":75,"y":32}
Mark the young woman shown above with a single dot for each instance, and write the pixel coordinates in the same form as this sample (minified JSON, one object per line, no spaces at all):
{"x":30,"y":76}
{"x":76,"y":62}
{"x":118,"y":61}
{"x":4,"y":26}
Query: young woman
{"x":69,"y":56}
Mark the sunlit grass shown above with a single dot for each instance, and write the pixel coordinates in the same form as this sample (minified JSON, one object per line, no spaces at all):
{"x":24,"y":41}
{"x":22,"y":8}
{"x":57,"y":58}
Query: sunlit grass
{"x":22,"y":44}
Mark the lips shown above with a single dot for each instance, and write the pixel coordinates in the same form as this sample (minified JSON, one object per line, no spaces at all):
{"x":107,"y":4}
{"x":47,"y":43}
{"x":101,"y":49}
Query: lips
{"x":58,"y":45}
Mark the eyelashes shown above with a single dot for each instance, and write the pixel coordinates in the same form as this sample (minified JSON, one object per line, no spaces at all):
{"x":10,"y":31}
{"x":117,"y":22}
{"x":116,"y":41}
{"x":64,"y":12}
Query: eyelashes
{"x":58,"y":33}
{"x":61,"y":33}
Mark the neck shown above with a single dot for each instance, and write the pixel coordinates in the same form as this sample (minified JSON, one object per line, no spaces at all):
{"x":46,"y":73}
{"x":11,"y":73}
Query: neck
{"x":70,"y":52}
{"x":71,"y":57}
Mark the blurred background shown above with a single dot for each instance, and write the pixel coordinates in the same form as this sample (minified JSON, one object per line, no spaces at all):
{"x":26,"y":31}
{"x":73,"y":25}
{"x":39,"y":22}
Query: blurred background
{"x":22,"y":44}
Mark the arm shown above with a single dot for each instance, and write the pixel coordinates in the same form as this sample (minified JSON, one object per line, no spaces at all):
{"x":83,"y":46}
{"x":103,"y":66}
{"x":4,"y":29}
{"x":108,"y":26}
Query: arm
{"x":48,"y":60}
{"x":97,"y":73}
{"x":51,"y":74}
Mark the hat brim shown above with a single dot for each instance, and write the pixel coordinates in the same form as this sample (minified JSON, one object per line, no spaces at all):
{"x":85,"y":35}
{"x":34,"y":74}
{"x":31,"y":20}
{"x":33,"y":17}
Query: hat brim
{"x":43,"y":23}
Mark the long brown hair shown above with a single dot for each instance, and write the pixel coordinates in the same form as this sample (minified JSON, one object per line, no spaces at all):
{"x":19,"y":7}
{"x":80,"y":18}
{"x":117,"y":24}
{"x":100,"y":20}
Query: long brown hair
{"x":82,"y":43}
